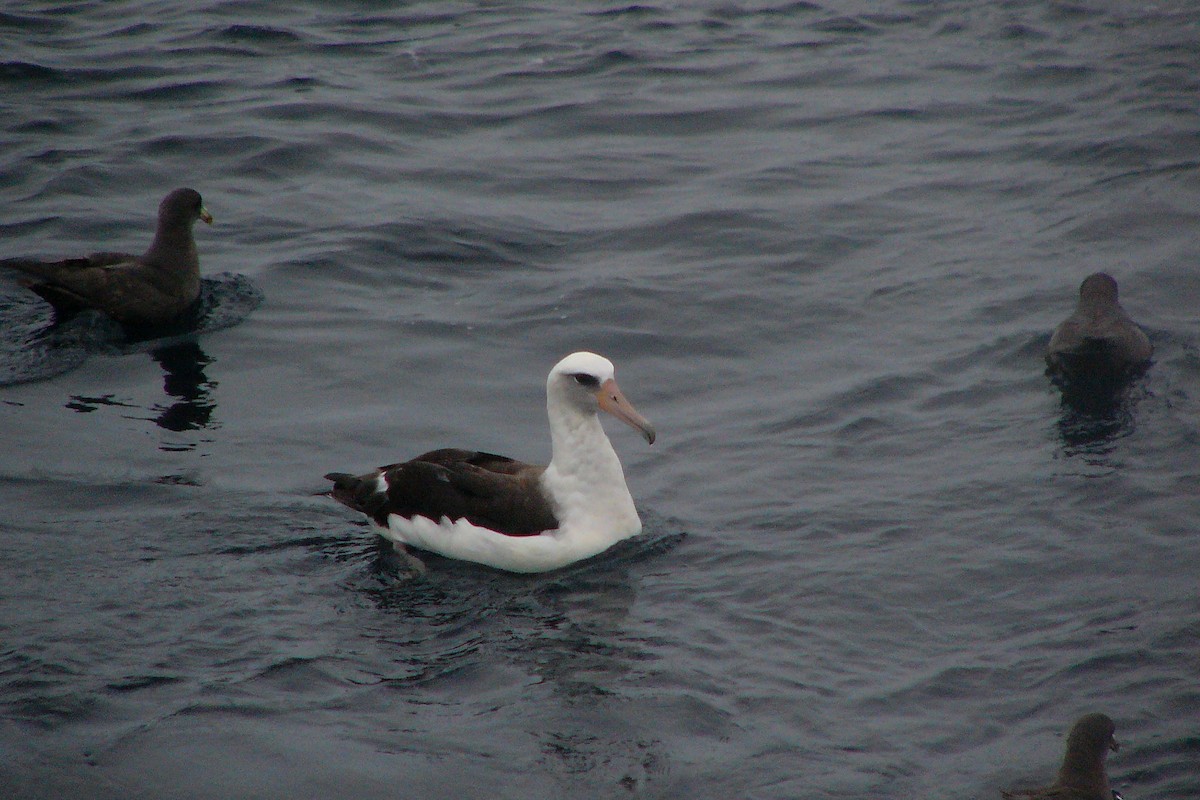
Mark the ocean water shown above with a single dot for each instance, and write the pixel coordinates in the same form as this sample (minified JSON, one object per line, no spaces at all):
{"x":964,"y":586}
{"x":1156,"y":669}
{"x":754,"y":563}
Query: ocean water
{"x":825,"y":245}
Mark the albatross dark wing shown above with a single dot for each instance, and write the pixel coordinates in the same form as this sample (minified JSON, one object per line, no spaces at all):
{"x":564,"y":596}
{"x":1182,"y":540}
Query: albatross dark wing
{"x":487,"y":490}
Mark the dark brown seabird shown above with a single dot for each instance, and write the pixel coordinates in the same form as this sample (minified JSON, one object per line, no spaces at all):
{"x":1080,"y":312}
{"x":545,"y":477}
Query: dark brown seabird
{"x":1099,"y":340}
{"x":504,"y":513}
{"x":1082,"y":775}
{"x":151,"y":289}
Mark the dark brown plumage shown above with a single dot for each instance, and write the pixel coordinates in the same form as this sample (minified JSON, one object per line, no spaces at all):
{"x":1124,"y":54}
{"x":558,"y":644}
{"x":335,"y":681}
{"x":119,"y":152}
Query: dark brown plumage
{"x":1099,"y":340}
{"x":151,"y":289}
{"x":1082,"y":775}
{"x":488,"y":490}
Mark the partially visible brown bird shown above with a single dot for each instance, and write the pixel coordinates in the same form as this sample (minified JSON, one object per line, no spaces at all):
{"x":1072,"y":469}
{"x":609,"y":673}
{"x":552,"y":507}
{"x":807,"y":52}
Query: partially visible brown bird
{"x":151,"y":289}
{"x":1082,"y":775}
{"x":1099,"y":340}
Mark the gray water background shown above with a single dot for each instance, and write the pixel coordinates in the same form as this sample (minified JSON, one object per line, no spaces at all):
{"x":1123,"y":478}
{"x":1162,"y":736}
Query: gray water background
{"x":824,"y":243}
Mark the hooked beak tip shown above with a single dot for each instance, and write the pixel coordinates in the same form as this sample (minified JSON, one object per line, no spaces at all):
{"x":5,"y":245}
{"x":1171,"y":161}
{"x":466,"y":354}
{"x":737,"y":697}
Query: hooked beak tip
{"x":613,"y":401}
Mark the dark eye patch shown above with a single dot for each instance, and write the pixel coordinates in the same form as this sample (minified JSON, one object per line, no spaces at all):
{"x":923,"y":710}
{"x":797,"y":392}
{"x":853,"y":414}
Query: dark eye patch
{"x":584,"y":379}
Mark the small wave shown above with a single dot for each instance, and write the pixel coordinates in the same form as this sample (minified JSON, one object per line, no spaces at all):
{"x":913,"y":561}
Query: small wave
{"x":24,"y":72}
{"x":846,"y":25}
{"x":174,"y":92}
{"x":257,"y":33}
{"x":29,"y":23}
{"x":134,"y":683}
{"x":28,"y":75}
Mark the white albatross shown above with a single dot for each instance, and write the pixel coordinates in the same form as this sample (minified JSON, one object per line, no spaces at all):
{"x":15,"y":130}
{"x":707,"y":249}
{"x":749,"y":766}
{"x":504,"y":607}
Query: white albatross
{"x":507,"y":514}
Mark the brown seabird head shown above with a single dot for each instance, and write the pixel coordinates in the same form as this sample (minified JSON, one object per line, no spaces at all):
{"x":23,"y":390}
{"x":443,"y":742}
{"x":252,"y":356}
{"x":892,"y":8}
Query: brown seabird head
{"x":1099,"y":287}
{"x":182,"y":207}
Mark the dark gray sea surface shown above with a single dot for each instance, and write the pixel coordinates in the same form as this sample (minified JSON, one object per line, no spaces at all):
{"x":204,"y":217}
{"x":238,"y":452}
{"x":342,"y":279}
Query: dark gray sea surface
{"x":825,"y":245}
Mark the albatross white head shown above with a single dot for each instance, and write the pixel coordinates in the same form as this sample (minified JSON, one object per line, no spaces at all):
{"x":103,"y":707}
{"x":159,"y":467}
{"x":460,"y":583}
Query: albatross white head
{"x":584,"y":382}
{"x":584,"y":476}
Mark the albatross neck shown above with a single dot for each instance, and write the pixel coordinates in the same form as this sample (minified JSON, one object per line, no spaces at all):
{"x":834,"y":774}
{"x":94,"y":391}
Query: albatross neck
{"x":579,"y":444}
{"x":585,"y":479}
